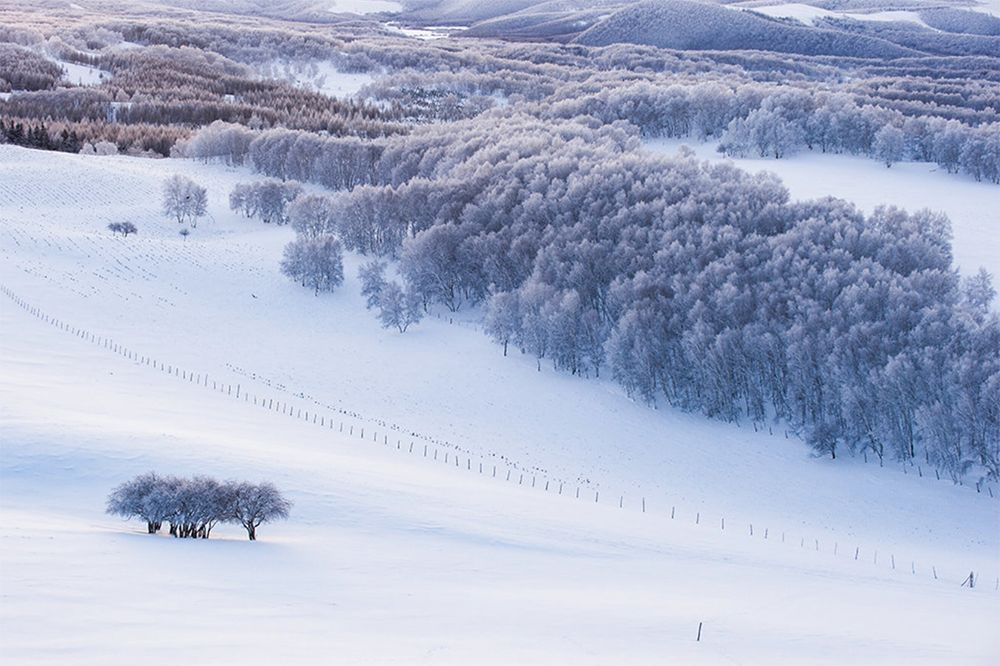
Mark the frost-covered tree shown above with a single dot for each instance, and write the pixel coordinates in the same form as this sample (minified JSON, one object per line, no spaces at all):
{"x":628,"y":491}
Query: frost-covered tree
{"x":948,"y":142}
{"x":138,"y":499}
{"x":228,"y":142}
{"x":184,"y":200}
{"x":315,"y":262}
{"x":435,"y":266}
{"x":254,"y":504}
{"x":398,"y":308}
{"x":764,"y":132}
{"x":311,"y":215}
{"x":266,"y":200}
{"x":102,"y":148}
{"x":503,"y":318}
{"x":889,"y":145}
{"x":194,"y":506}
{"x":372,"y":277}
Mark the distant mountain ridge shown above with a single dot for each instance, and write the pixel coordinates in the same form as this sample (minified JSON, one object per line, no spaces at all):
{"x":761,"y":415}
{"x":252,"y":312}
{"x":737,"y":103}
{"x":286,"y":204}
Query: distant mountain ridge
{"x":689,"y":24}
{"x":716,"y":26}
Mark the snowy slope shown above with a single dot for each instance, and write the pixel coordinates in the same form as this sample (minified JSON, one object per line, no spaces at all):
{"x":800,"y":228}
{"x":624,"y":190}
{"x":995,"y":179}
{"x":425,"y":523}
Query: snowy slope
{"x":365,"y":6}
{"x":83,"y":75}
{"x":392,"y":556}
{"x":808,"y":14}
{"x":320,"y":76}
{"x":988,"y":6}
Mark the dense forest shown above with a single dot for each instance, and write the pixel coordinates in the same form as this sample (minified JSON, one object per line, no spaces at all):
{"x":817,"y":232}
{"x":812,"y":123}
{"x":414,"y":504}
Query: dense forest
{"x":693,"y":284}
{"x":509,"y":176}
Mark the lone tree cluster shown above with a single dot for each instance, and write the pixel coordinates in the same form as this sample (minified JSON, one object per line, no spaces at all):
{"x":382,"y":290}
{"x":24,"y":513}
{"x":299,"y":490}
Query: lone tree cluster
{"x":123,"y":228}
{"x":192,"y":507}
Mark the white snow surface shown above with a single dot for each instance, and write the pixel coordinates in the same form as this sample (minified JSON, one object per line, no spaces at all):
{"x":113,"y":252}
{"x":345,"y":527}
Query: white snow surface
{"x":391,"y":557}
{"x":365,"y":6}
{"x":425,"y":33}
{"x":794,"y":10}
{"x":83,"y":75}
{"x":973,"y":208}
{"x":987,"y":6}
{"x":317,"y":75}
{"x":808,"y":14}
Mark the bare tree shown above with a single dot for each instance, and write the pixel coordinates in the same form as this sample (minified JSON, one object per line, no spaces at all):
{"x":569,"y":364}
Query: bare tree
{"x":131,"y":500}
{"x":255,"y":504}
{"x":194,"y":506}
{"x":123,"y":228}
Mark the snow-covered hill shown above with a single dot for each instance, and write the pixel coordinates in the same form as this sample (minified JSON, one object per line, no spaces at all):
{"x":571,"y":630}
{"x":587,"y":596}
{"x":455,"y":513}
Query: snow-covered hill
{"x":598,"y":539}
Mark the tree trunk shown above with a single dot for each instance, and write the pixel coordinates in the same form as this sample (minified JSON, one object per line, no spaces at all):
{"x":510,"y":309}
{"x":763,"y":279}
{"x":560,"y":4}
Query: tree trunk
{"x":150,"y":527}
{"x":252,"y":532}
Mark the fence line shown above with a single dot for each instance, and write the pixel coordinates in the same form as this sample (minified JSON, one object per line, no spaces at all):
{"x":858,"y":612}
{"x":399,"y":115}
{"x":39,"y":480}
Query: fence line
{"x":982,"y":487}
{"x":330,"y":423}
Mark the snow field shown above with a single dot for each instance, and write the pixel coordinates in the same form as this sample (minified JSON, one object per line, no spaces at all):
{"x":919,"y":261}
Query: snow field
{"x":495,"y":467}
{"x":390,"y":556}
{"x":808,"y":14}
{"x":213,"y":304}
{"x":83,"y":75}
{"x":365,"y":6}
{"x":319,"y":76}
{"x":384,"y":562}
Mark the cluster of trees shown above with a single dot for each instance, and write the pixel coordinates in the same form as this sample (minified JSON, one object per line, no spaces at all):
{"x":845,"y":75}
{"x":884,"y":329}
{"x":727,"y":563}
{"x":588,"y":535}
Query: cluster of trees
{"x":23,"y":69}
{"x":338,"y":163}
{"x":697,"y":284}
{"x":103,"y":148}
{"x":182,"y":87}
{"x":193,"y":86}
{"x":266,"y":200}
{"x":193,"y":507}
{"x":30,"y":135}
{"x":335,"y":162}
{"x":526,"y":194}
{"x":191,"y":75}
{"x":769,"y":121}
{"x":777,"y":129}
{"x":66,"y":104}
{"x":184,"y":200}
{"x":317,"y":262}
{"x":72,"y":120}
{"x":123,"y":228}
{"x":749,"y":119}
{"x":315,"y":258}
